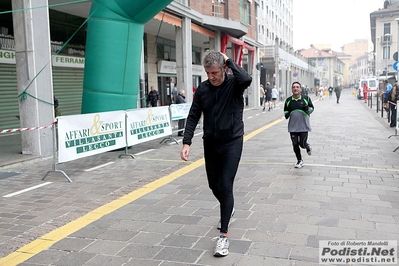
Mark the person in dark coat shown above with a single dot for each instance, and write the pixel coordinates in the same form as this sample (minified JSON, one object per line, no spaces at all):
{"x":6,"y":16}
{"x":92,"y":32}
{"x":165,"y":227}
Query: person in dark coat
{"x":57,"y":111}
{"x":153,"y":97}
{"x":220,"y":101}
{"x":181,"y":98}
{"x":338,"y":90}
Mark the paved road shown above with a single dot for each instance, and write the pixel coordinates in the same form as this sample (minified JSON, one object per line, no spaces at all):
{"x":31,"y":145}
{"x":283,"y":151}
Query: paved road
{"x":158,"y":210}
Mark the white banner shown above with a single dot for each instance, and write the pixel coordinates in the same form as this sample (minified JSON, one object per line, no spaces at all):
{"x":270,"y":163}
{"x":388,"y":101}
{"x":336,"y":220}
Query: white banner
{"x":180,"y":111}
{"x":89,"y":134}
{"x":147,"y":124}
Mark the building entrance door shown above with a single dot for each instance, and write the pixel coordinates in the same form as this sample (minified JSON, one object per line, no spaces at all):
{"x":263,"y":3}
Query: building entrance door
{"x":164,"y":90}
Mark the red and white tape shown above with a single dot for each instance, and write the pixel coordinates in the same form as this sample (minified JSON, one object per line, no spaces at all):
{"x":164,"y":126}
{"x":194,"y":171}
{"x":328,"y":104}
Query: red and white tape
{"x":26,"y":128}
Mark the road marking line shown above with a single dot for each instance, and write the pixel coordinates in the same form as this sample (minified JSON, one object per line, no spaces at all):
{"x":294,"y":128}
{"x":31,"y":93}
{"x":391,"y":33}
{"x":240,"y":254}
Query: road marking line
{"x":47,"y":240}
{"x":323,"y":165}
{"x":25,"y":190}
{"x":99,"y":166}
{"x":140,"y":153}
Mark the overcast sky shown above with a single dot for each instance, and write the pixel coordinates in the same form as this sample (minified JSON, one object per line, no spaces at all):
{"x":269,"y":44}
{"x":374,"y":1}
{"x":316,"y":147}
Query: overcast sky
{"x":332,"y":22}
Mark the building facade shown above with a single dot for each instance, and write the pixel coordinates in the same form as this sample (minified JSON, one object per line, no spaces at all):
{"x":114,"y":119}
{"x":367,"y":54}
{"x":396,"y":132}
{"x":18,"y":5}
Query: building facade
{"x":356,"y":66}
{"x":252,"y":32}
{"x":280,"y":64}
{"x":329,"y":66}
{"x":384,"y":26}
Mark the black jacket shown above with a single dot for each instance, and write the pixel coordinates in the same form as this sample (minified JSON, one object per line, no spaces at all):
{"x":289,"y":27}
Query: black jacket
{"x":222,"y":107}
{"x":180,"y":99}
{"x":153,"y":97}
{"x":268,"y":91}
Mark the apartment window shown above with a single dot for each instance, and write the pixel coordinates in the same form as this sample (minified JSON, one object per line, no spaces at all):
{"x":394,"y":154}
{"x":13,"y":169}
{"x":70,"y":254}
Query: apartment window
{"x":249,"y":13}
{"x":196,"y":54}
{"x":387,"y":28}
{"x":245,"y":12}
{"x":166,"y":49}
{"x":386,"y":51}
{"x":216,"y":9}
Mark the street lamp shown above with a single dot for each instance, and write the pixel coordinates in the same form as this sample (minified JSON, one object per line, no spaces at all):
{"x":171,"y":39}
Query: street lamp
{"x":386,"y":53}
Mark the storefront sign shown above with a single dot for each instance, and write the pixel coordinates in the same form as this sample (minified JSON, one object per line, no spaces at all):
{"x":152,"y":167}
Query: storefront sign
{"x":198,"y":70}
{"x":68,"y":61}
{"x":8,"y":57}
{"x":89,"y":134}
{"x":168,"y":67}
{"x":147,"y":124}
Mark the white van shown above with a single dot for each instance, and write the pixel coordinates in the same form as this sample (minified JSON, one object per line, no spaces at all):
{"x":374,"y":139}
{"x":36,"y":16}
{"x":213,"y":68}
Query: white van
{"x":372,"y":84}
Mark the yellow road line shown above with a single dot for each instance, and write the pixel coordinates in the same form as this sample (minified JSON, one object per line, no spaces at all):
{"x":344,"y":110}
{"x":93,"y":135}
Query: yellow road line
{"x":56,"y":235}
{"x":47,"y":240}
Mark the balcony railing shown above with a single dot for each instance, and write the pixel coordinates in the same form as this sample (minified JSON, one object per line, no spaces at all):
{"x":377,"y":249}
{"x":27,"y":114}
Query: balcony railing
{"x":386,"y":39}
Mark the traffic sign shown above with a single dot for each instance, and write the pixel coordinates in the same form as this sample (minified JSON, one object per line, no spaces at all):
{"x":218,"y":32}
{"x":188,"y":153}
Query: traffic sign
{"x":395,"y":66}
{"x":395,"y":56}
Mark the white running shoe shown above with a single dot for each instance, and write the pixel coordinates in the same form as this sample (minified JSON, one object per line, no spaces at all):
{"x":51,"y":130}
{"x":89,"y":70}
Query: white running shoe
{"x":222,"y":246}
{"x":299,"y":164}
{"x":220,"y":221}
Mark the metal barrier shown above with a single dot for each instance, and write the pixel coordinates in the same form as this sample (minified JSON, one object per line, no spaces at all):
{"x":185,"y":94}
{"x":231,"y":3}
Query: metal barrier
{"x":54,"y":169}
{"x":85,"y":135}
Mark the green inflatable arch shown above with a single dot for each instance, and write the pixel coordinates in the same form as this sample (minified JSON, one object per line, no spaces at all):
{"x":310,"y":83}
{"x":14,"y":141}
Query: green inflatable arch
{"x":113,"y":53}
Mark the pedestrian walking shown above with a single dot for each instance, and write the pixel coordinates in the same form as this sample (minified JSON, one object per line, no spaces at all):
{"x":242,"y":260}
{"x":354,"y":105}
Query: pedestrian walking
{"x":175,"y":91}
{"x":365,"y":92}
{"x":153,"y":97}
{"x":220,"y":100}
{"x":268,"y":96}
{"x":393,"y":104}
{"x":330,"y":91}
{"x":181,"y":98}
{"x":57,"y":111}
{"x":321,"y":93}
{"x":274,"y":96}
{"x":261,"y":94}
{"x":298,"y":109}
{"x":389,"y":99}
{"x":386,"y":94}
{"x":338,"y":90}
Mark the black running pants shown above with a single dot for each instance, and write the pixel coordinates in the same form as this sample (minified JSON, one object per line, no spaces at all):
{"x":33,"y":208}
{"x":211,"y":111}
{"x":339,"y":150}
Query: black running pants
{"x":221,"y":164}
{"x":299,"y":139}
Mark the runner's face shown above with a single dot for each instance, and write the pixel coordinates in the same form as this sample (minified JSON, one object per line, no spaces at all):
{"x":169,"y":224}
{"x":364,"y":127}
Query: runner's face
{"x":215,"y":74}
{"x":296,"y":89}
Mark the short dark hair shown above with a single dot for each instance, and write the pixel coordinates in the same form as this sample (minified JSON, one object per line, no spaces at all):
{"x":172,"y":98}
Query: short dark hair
{"x":297,"y":82}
